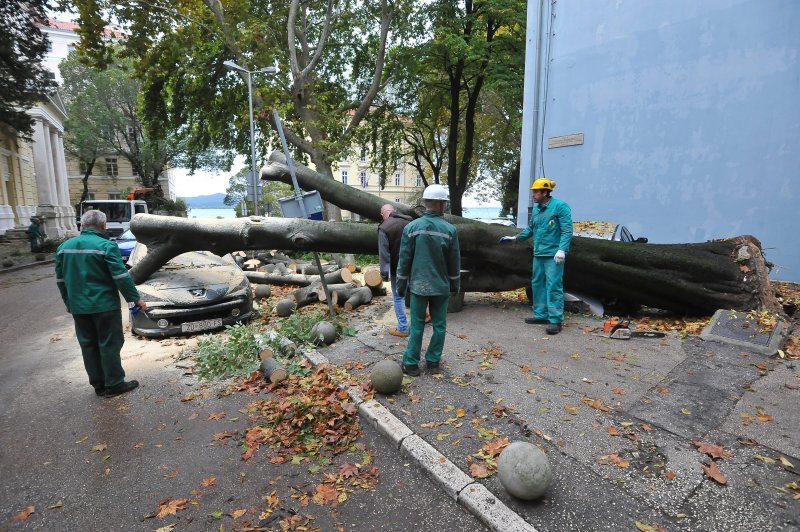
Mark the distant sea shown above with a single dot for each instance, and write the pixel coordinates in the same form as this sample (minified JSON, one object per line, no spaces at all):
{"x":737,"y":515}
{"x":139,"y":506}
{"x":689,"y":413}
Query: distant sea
{"x":212,"y":213}
{"x":481,"y":212}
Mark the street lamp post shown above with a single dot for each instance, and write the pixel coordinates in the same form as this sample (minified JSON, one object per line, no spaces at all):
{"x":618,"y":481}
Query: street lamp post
{"x":249,"y":74}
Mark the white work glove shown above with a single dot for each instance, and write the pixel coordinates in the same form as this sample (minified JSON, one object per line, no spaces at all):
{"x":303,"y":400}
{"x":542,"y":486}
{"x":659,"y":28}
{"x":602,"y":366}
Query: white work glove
{"x":506,"y":239}
{"x":560,"y":256}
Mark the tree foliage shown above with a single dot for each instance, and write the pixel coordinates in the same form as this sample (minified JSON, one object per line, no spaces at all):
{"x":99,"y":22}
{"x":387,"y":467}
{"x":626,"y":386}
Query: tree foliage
{"x":332,"y":58}
{"x":104,"y":118}
{"x":23,"y":79}
{"x":462,"y":92}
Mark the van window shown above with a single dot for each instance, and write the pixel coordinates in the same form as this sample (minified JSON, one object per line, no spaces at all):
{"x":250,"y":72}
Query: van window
{"x":140,"y":209}
{"x":115,"y":212}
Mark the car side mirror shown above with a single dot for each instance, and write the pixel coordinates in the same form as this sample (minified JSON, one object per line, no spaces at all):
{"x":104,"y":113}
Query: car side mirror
{"x":641,"y":240}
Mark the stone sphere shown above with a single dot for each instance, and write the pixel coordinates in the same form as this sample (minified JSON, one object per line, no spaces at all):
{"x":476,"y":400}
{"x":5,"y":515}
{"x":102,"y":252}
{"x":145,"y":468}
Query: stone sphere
{"x":263,"y":290}
{"x":7,"y":263}
{"x":524,"y":470}
{"x":323,"y":332}
{"x":40,"y":256}
{"x":387,"y":377}
{"x":285,"y":307}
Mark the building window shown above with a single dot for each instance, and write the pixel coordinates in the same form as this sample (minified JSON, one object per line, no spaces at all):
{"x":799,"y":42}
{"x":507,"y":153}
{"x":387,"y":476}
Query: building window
{"x":90,"y":195}
{"x":132,"y":132}
{"x":344,"y":177}
{"x":364,"y":178}
{"x":112,"y":170}
{"x":70,"y":48}
{"x":134,"y":172}
{"x":419,"y":180}
{"x":84,"y":167}
{"x":51,"y":75}
{"x":363,"y":157}
{"x":114,"y":196}
{"x":397,"y":200}
{"x":397,"y":179}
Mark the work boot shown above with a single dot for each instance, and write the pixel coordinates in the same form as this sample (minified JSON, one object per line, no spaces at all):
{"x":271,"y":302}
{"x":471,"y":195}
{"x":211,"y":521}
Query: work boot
{"x":413,"y":371}
{"x":122,"y":388}
{"x":433,"y":368}
{"x":394,"y":331}
{"x":100,"y":390}
{"x":553,"y":328}
{"x":537,"y":321}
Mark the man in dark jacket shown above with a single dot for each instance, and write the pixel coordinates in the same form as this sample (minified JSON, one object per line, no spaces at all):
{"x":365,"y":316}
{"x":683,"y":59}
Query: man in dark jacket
{"x":35,"y":235}
{"x":390,"y":234}
{"x":430,"y":268}
{"x":90,"y":273}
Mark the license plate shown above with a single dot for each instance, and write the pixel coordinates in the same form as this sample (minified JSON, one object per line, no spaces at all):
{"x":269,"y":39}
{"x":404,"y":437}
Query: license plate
{"x":203,"y":325}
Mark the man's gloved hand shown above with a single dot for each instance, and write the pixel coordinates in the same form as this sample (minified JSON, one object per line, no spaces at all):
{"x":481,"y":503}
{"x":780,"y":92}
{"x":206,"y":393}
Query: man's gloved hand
{"x":560,"y":256}
{"x":506,"y":239}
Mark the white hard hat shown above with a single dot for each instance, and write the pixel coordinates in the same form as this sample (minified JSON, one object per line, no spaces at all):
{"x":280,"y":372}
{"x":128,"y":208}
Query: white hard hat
{"x":436,"y":192}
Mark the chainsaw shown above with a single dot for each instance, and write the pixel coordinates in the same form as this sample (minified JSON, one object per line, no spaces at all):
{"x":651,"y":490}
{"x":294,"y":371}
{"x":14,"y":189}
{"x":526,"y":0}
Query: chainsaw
{"x":620,"y":329}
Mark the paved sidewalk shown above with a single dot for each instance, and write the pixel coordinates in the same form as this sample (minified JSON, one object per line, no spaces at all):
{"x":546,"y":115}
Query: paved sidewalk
{"x":616,"y":418}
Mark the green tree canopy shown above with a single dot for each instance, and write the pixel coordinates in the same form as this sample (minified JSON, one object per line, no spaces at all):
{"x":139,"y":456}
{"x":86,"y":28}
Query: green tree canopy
{"x":333,"y":59}
{"x":104,"y":111}
{"x":23,"y":79}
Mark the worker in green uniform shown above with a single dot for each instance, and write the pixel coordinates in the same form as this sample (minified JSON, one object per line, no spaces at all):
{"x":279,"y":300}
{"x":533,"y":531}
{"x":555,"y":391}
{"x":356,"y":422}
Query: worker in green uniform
{"x":551,"y":228}
{"x":89,"y":273}
{"x":429,"y":267}
{"x":35,"y":235}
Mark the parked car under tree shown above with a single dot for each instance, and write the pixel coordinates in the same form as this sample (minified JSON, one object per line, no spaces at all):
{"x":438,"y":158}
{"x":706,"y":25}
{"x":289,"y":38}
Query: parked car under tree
{"x":194,"y":292}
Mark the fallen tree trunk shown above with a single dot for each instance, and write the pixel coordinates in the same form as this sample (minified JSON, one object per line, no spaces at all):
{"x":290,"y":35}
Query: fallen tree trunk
{"x":686,"y":278}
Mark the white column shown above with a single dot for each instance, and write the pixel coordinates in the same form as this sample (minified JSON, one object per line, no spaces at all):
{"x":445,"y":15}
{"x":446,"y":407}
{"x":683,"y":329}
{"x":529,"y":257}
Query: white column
{"x":51,"y":174}
{"x":66,"y":202}
{"x":41,"y":162}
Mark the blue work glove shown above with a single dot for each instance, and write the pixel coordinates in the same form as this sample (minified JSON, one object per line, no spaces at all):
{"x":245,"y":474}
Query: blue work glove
{"x":560,"y":257}
{"x":506,"y":239}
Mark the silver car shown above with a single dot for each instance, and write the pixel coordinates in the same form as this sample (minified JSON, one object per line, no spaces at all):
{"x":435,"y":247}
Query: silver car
{"x":193,"y":293}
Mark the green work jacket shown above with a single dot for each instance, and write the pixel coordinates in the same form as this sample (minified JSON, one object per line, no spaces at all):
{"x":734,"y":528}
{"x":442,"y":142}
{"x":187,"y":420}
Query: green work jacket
{"x":430,"y":257}
{"x":90,"y":271}
{"x":551,"y":228}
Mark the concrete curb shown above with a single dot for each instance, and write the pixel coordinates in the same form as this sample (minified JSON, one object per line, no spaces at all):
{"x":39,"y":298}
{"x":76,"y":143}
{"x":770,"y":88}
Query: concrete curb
{"x":459,"y":486}
{"x":19,"y":267}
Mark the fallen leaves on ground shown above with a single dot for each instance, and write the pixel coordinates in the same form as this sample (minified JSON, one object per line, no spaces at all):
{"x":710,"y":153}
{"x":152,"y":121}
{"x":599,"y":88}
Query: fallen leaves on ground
{"x":312,"y":416}
{"x":760,"y":415}
{"x":597,"y":404}
{"x":792,"y":488}
{"x":644,"y":527}
{"x":486,"y":458}
{"x":25,"y":514}
{"x":613,"y":459}
{"x":711,"y":449}
{"x":208,"y":481}
{"x":171,"y":507}
{"x":712,"y":471}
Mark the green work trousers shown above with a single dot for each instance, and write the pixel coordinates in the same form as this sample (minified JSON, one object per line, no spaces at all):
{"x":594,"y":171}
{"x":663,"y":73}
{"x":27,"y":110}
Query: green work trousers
{"x":547,"y":285}
{"x":100,"y":337}
{"x":437,"y":306}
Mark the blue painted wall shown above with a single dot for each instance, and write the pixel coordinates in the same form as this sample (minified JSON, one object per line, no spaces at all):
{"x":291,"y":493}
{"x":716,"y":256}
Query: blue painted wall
{"x":691,"y":116}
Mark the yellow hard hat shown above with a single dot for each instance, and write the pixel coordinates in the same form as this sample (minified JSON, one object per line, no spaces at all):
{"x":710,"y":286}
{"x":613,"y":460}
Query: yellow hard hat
{"x":543,"y":184}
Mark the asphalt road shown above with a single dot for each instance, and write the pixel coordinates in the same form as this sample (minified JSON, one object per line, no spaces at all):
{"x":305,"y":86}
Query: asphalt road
{"x":103,"y":464}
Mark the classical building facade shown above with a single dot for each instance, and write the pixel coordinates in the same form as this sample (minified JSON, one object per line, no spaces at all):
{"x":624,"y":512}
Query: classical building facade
{"x":34,"y":174}
{"x":403,"y":185}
